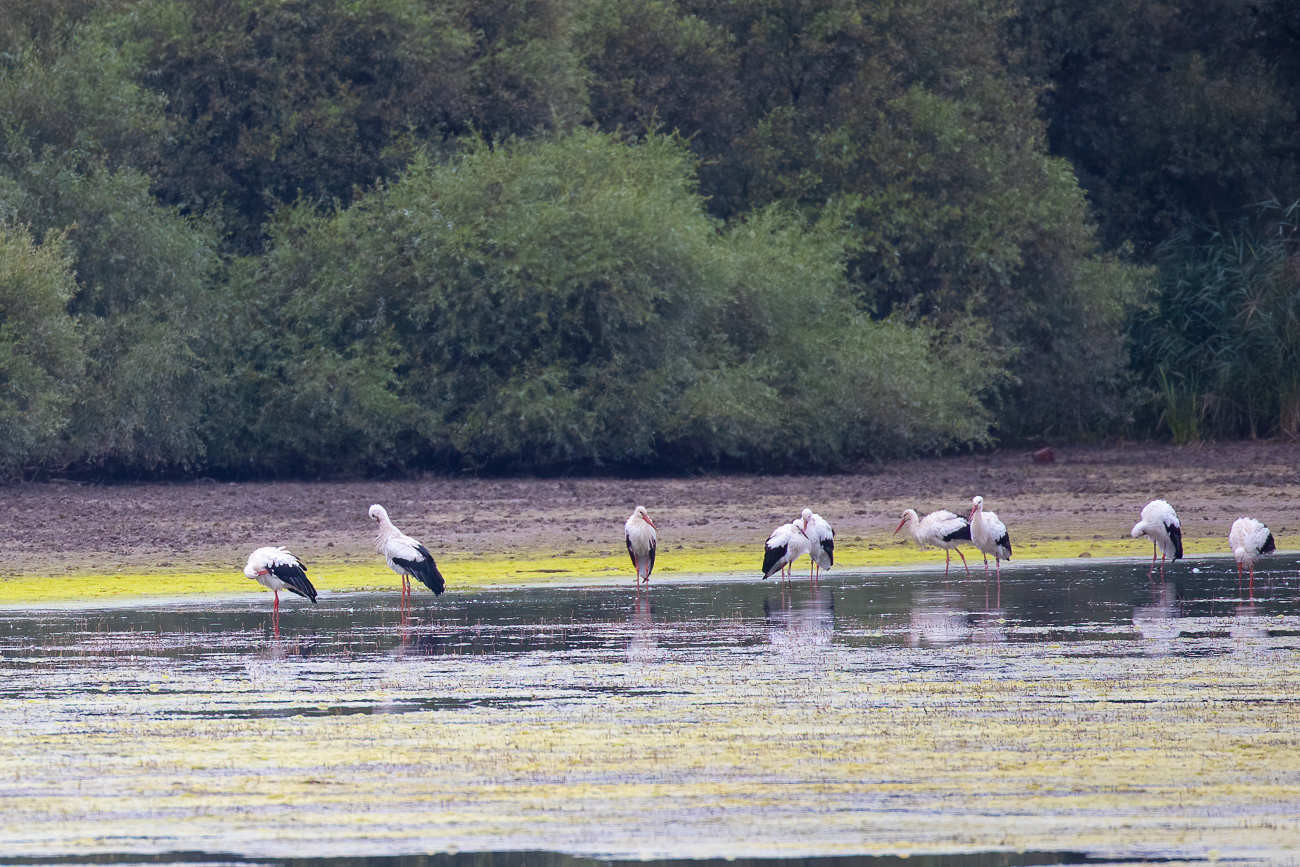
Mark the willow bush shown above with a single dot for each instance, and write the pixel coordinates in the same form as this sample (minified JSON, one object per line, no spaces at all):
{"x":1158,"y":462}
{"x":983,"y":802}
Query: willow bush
{"x":41,"y":360}
{"x":568,"y":301}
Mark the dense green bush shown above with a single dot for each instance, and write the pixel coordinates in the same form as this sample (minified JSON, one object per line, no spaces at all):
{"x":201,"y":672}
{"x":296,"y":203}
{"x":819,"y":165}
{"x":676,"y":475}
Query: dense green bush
{"x":907,"y":117}
{"x":568,"y":301}
{"x":76,"y":124}
{"x":41,"y":361}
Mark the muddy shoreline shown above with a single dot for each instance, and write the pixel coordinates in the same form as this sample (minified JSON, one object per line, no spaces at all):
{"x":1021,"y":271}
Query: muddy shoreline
{"x":1088,"y":492}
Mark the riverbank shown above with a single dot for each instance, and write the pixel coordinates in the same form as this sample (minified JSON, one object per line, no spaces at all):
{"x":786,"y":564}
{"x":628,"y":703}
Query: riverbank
{"x":69,"y":540}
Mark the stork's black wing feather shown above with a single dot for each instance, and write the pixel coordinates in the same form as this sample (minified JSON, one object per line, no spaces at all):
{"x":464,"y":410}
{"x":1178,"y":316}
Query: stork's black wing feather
{"x":962,"y":532}
{"x":294,"y":576}
{"x":425,"y":570}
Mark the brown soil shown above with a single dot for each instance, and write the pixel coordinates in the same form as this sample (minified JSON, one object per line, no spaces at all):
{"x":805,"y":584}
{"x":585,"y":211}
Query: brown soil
{"x":1087,"y":492}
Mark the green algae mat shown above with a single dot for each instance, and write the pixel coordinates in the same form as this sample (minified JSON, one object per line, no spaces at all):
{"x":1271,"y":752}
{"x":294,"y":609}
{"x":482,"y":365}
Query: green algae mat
{"x":1077,"y":708}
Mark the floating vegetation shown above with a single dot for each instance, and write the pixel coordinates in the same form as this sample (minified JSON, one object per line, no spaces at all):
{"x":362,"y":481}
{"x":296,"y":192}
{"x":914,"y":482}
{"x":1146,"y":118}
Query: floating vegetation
{"x":1078,"y":709}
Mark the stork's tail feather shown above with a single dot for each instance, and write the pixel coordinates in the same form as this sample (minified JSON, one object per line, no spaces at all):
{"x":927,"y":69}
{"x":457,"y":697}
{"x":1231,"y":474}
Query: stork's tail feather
{"x":1176,"y":536}
{"x":430,"y":576}
{"x":425,"y":571}
{"x":771,"y":557}
{"x":295,"y":580}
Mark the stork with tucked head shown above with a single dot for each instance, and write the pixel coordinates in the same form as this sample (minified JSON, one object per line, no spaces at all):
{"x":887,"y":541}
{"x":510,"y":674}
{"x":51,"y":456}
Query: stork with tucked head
{"x":640,"y":534}
{"x":942,"y":529}
{"x":821,"y":542}
{"x":1160,"y":524}
{"x":787,"y":543}
{"x":405,"y":556}
{"x":989,"y":535}
{"x":1249,"y":540}
{"x":276,"y":569}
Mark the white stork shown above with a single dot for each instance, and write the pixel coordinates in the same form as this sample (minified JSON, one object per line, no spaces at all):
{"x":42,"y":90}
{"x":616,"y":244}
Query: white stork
{"x":1249,"y":540}
{"x":1159,"y":523}
{"x":639,"y":532}
{"x":942,"y":529}
{"x":276,"y":569}
{"x":821,"y":542}
{"x":405,"y":556}
{"x":787,"y":543}
{"x":989,"y":535}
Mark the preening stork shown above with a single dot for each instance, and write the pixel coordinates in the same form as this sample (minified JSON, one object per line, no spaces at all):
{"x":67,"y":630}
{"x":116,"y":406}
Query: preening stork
{"x":989,"y":535}
{"x":1159,"y":523}
{"x":821,"y":542}
{"x":405,"y":556}
{"x":639,"y":532}
{"x":1249,"y":540}
{"x":276,"y":569}
{"x":942,"y":529}
{"x":787,"y":543}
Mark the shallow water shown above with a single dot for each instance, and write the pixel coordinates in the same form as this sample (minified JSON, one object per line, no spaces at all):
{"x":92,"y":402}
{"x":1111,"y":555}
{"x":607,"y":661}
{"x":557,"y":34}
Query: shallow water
{"x":1070,"y":712}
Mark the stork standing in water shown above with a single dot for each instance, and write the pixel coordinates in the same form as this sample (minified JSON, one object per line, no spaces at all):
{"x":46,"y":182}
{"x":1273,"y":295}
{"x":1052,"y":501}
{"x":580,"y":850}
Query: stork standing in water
{"x":989,"y":535}
{"x":787,"y":543}
{"x":942,"y":529}
{"x":276,"y":569}
{"x":821,"y":542}
{"x":639,"y":532}
{"x":405,"y":556}
{"x":1249,"y":540}
{"x":1159,"y":523}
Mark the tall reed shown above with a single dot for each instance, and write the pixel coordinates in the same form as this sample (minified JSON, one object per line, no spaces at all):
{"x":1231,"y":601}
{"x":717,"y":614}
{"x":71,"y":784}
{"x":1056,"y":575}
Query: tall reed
{"x":1222,"y":343}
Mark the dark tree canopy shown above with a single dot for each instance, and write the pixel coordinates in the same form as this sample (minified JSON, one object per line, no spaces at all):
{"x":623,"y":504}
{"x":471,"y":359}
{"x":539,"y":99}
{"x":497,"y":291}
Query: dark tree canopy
{"x":290,"y":237}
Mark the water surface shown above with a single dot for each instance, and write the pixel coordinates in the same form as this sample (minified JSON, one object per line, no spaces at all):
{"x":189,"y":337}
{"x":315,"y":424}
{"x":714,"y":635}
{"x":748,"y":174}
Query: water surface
{"x":1068,"y":713}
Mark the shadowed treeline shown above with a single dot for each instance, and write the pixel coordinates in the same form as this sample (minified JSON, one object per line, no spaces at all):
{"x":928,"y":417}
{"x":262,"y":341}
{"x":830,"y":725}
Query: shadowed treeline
{"x":305,"y":239}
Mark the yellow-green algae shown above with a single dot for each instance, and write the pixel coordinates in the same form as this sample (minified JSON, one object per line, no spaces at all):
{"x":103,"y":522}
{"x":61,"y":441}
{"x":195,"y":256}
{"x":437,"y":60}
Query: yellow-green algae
{"x":467,"y":572}
{"x":777,"y":752}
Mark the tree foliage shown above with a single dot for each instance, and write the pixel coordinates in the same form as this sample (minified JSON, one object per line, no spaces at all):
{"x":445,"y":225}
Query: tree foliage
{"x":41,"y":360}
{"x":566,"y":301}
{"x":1173,"y":113}
{"x":365,"y":235}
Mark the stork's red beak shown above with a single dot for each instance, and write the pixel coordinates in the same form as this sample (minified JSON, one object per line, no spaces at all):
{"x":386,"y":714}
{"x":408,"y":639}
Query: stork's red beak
{"x":900,"y":525}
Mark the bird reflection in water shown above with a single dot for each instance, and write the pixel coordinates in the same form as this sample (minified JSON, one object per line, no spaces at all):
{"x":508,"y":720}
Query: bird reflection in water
{"x":989,"y":627}
{"x":1159,"y":621}
{"x":1248,"y":629}
{"x":937,"y":619}
{"x":288,"y":649}
{"x":795,"y":629}
{"x":941,"y":618}
{"x":643,"y":640}
{"x":427,"y":643}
